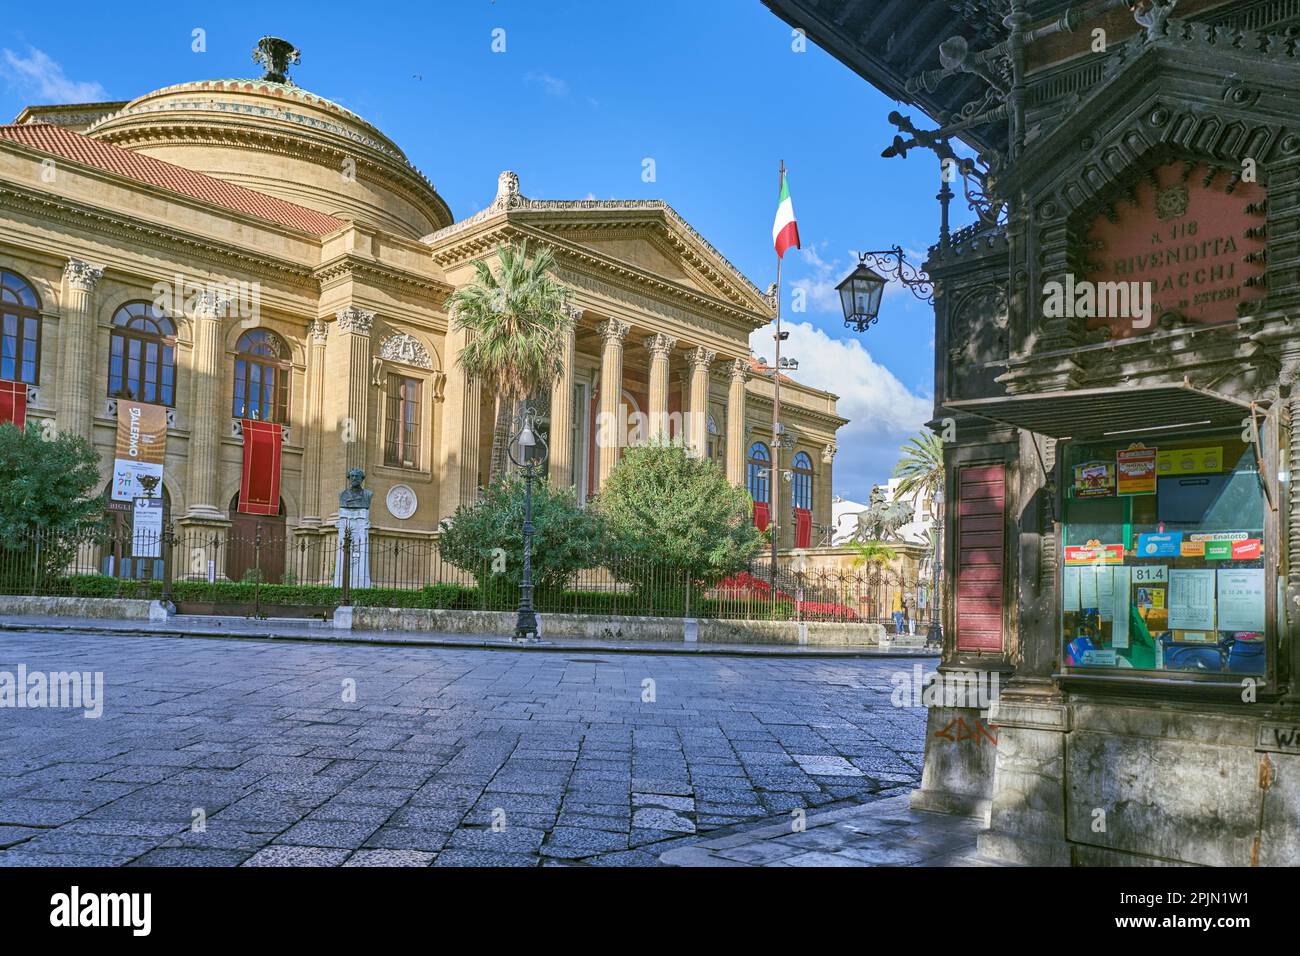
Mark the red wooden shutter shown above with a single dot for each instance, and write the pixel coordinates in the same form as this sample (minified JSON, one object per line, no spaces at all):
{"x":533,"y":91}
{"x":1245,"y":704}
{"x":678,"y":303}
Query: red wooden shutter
{"x":981,"y":520}
{"x":13,"y":404}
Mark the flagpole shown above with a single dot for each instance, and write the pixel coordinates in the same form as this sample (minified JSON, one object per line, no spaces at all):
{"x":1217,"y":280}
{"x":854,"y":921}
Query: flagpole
{"x":775,"y":489}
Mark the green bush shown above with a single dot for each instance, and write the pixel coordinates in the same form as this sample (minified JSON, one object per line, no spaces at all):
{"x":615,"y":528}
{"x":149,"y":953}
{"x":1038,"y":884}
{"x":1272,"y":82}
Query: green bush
{"x":486,"y":538}
{"x":663,"y":508}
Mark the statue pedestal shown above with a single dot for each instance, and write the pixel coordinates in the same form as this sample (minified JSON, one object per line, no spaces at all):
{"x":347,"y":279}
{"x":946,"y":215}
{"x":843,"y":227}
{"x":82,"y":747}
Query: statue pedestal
{"x":357,"y":520}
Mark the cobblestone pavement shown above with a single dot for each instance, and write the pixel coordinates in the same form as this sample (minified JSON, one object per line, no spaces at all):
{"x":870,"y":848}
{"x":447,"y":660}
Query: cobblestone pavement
{"x":884,"y":832}
{"x":445,"y":757}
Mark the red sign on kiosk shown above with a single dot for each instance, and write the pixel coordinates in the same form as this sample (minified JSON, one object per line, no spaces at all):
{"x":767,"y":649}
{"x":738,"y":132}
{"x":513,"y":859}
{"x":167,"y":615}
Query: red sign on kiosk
{"x":1186,"y":237}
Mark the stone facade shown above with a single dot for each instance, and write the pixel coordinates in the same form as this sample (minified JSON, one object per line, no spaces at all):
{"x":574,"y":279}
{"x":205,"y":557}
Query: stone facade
{"x":346,"y":253}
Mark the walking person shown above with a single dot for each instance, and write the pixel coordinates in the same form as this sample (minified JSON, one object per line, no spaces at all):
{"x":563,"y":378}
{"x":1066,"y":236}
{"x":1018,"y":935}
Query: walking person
{"x":898,"y":612}
{"x":909,"y":604}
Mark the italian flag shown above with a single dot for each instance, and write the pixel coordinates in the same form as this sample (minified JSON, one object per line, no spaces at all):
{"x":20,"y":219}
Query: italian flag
{"x":785,"y":231}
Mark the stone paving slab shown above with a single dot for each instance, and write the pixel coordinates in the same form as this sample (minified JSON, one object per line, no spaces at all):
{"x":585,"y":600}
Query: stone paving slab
{"x":331,"y":754}
{"x":883,"y":832}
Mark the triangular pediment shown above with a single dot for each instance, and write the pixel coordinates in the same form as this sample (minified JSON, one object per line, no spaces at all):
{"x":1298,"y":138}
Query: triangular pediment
{"x":653,"y":238}
{"x":645,"y":236}
{"x":644,"y":253}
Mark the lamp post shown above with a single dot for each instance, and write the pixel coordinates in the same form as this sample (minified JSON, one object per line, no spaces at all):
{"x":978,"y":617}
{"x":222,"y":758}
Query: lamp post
{"x":935,"y":633}
{"x":531,"y":453}
{"x":783,"y":364}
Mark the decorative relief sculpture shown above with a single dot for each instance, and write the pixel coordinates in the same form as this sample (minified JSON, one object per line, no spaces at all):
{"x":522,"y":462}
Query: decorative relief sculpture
{"x":406,"y":348}
{"x":401,"y":502}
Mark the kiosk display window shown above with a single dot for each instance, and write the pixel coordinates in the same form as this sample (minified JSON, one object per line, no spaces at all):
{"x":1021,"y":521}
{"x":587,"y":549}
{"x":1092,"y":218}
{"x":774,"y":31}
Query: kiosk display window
{"x":1162,"y":556}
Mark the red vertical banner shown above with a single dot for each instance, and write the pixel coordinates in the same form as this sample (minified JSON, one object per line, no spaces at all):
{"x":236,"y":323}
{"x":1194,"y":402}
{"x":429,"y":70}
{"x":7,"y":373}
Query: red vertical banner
{"x":259,"y":490}
{"x":761,"y":516}
{"x":13,"y":404}
{"x":981,"y":557}
{"x":802,"y":528}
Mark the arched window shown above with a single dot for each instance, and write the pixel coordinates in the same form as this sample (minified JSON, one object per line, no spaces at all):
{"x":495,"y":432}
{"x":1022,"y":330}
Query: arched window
{"x":142,"y":355}
{"x":803,"y":477}
{"x":714,"y":452}
{"x":261,"y":377}
{"x":759,"y":472}
{"x":20,"y":313}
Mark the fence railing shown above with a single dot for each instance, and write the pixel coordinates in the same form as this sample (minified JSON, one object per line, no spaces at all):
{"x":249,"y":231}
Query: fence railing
{"x":231,"y":568}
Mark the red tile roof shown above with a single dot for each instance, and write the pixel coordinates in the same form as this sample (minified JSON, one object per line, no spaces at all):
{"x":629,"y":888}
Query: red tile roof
{"x":761,"y":369}
{"x":49,"y":138}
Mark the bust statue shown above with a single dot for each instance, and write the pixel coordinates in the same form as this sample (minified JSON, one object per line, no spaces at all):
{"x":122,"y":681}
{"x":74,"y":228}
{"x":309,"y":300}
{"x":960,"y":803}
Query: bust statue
{"x":354,"y":496}
{"x":354,"y":532}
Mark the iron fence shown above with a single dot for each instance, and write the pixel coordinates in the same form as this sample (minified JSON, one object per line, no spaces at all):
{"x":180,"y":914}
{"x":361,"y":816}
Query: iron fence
{"x":224,"y":570}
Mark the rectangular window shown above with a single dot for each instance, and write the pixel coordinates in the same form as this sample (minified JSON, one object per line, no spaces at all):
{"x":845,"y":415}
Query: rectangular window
{"x":1163,"y":556}
{"x":402,"y":422}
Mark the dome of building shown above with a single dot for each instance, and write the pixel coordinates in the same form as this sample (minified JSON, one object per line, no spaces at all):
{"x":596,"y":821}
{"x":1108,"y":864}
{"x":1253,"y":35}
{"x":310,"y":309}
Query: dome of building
{"x":277,"y":138}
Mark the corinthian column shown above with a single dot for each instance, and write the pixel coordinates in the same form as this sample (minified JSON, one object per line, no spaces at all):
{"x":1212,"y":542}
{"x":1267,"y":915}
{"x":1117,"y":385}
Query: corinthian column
{"x":561,"y":438}
{"x":354,"y":327}
{"x":698,"y":430}
{"x":610,"y":427}
{"x":660,"y":347}
{"x":313,"y":414}
{"x":206,"y":414}
{"x":73,"y":412}
{"x":736,"y":422}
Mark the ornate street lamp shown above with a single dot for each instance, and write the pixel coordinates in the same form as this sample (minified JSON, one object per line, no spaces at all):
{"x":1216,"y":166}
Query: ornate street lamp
{"x":527,"y":450}
{"x":862,"y":289}
{"x":860,"y":296}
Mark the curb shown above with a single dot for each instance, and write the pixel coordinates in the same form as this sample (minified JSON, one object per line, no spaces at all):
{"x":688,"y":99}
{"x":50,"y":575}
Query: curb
{"x":501,"y":644}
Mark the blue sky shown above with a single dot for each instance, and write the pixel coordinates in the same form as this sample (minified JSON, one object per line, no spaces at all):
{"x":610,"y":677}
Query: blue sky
{"x":585,"y":91}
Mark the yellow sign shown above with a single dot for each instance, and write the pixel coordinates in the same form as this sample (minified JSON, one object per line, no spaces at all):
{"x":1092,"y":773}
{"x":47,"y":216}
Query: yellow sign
{"x":1189,"y":461}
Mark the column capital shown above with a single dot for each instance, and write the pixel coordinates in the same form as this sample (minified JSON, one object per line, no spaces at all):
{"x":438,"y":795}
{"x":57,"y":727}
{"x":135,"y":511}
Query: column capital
{"x":702,"y":358}
{"x":210,"y":304}
{"x":828,"y":453}
{"x":318,"y":331}
{"x":613,"y":330}
{"x":740,"y":369}
{"x":354,"y":320}
{"x":574,"y":312}
{"x":660,"y":344}
{"x":82,"y":275}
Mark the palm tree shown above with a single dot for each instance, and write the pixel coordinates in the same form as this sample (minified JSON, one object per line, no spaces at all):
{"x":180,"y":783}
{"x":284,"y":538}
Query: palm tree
{"x":517,"y":322}
{"x":876,"y":554}
{"x":872,"y":552}
{"x":920,"y":466}
{"x":921,"y":470}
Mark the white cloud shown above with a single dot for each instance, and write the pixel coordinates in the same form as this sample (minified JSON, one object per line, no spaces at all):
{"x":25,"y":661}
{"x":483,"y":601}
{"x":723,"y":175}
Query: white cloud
{"x":871,"y":397}
{"x":553,"y":85}
{"x":882,"y":411}
{"x":38,"y":75}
